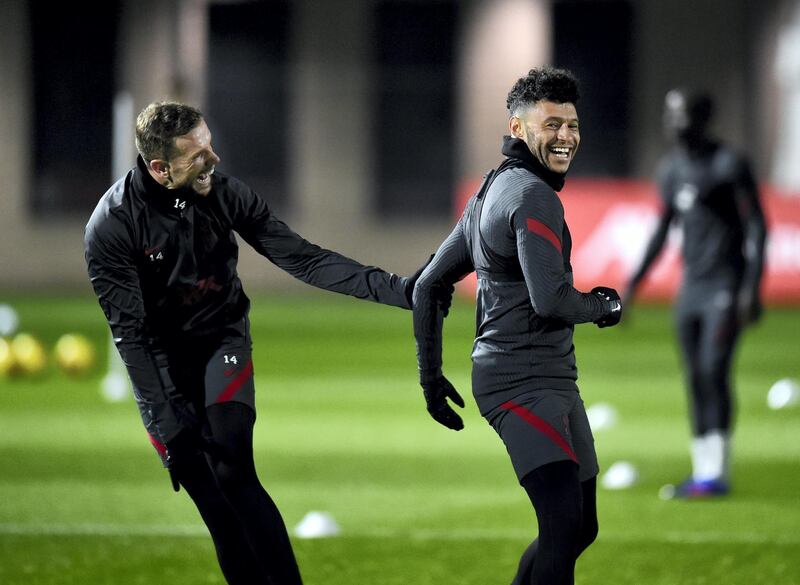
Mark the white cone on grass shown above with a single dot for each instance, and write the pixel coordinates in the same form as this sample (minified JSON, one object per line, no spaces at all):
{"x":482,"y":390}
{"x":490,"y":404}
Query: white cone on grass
{"x":9,"y":321}
{"x":602,"y":416}
{"x":621,"y":475}
{"x":783,"y":393}
{"x":317,"y":525}
{"x":115,"y":387}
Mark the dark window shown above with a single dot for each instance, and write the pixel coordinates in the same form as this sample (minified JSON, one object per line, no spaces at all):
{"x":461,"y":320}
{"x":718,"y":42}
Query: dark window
{"x":414,"y":101}
{"x":595,"y":40}
{"x":73,"y":88}
{"x":248,"y":93}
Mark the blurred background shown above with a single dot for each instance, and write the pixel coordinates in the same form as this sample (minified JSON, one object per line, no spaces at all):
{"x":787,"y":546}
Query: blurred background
{"x":365,"y":122}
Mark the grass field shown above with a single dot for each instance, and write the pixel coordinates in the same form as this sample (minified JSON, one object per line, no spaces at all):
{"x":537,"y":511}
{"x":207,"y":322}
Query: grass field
{"x":342,"y":428}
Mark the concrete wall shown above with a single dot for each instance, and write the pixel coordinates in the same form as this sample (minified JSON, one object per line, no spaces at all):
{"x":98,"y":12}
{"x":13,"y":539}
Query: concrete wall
{"x":31,"y":253}
{"x":708,"y":44}
{"x":693,"y":44}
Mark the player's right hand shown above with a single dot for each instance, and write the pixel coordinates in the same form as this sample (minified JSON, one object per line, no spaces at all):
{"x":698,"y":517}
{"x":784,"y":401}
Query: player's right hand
{"x":615,"y":306}
{"x":443,"y":293}
{"x":436,"y":392}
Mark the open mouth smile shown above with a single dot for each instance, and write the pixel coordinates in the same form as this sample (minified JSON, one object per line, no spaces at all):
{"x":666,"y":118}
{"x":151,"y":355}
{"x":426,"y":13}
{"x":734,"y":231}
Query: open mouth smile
{"x":205,"y":178}
{"x":561,"y":152}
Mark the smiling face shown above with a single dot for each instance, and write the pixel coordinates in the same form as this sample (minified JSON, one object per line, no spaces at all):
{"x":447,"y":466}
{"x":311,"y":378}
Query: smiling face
{"x":191,"y":163}
{"x":550,"y":130}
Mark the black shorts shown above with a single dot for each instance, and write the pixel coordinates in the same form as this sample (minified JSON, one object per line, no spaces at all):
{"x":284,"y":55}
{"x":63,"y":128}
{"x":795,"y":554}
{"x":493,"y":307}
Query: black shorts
{"x":544,"y":426}
{"x":206,"y":371}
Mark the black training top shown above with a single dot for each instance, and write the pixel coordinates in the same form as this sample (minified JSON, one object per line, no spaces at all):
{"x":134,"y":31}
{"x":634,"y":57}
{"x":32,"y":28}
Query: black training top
{"x":163,"y":265}
{"x":714,"y":195}
{"x":515,"y":238}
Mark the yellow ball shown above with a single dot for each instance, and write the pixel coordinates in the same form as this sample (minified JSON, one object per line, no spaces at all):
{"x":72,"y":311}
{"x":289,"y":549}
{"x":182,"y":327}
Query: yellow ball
{"x":74,"y":354}
{"x":28,"y":353}
{"x":8,"y":364}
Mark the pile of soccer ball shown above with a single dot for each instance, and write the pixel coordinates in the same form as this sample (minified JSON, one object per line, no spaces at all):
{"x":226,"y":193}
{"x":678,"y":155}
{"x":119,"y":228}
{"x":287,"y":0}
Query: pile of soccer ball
{"x":23,"y":354}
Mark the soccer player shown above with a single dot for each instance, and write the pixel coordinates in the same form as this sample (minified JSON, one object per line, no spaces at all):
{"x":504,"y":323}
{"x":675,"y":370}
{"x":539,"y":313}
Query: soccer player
{"x":513,"y":234}
{"x":708,"y":189}
{"x":162,"y":256}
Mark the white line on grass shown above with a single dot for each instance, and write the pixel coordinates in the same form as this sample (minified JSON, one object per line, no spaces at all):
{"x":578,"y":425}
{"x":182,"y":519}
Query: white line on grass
{"x":197,"y":531}
{"x":189,"y":530}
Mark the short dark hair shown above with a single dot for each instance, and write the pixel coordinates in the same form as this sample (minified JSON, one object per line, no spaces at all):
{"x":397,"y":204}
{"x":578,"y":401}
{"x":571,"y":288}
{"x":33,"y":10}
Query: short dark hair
{"x":544,"y":83}
{"x":159,"y":124}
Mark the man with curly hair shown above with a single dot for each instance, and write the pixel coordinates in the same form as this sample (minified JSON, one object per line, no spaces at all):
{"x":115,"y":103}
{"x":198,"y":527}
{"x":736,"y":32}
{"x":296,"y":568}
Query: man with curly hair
{"x":513,"y":234}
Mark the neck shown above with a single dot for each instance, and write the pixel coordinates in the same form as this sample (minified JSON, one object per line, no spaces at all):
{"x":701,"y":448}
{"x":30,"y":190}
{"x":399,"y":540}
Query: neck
{"x":517,"y":148}
{"x":695,"y":145}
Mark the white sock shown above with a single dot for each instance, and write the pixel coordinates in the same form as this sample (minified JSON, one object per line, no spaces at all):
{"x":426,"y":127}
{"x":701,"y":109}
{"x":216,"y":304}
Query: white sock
{"x":710,"y":455}
{"x":698,"y":450}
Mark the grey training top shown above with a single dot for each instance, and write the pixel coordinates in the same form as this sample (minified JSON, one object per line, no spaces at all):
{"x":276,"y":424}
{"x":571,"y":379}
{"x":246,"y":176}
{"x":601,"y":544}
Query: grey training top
{"x":712,"y":194}
{"x":515,"y":238}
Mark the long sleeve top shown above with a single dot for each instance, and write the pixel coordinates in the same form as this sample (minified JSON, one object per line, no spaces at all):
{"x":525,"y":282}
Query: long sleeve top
{"x":163,"y":264}
{"x":515,"y":237}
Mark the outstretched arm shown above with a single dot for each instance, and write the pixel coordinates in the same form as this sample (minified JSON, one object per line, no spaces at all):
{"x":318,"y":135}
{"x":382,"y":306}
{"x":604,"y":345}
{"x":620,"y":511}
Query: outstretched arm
{"x":449,"y":265}
{"x":657,"y":239}
{"x":654,"y":247}
{"x":755,"y":232}
{"x":312,"y":264}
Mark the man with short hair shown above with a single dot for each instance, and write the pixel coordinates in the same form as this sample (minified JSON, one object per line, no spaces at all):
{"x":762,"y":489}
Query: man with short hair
{"x":513,"y":234}
{"x":162,"y":258}
{"x":709,"y":190}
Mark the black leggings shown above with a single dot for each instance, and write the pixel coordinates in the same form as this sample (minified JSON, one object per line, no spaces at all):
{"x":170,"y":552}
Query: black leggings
{"x":567,"y":514}
{"x":708,"y":341}
{"x":248,"y":531}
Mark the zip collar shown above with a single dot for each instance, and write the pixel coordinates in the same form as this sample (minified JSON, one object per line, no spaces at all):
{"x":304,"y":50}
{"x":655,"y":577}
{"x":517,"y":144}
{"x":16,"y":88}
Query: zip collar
{"x":518,"y":149}
{"x":170,"y":201}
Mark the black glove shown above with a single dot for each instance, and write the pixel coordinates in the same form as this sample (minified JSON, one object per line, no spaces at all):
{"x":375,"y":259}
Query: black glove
{"x":749,"y":309}
{"x":442,"y":292}
{"x":436,"y":391}
{"x":188,"y":446}
{"x":610,"y":295}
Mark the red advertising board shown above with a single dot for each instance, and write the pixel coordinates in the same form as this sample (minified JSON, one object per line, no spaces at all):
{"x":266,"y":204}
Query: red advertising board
{"x":611,"y":222}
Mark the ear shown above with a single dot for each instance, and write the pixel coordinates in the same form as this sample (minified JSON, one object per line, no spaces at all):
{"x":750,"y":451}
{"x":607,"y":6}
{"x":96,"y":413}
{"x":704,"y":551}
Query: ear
{"x":515,"y":127}
{"x":159,"y":167}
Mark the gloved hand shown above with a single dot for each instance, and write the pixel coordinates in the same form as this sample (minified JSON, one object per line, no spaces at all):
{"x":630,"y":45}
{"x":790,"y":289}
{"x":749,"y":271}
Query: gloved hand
{"x":442,"y":292}
{"x":437,"y":389}
{"x":748,"y":309}
{"x":188,"y":448}
{"x":610,"y":295}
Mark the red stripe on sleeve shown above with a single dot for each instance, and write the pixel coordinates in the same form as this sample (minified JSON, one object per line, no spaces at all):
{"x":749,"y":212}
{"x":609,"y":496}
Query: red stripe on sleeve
{"x":537,"y":227}
{"x":162,"y":450}
{"x":541,"y":425}
{"x":236,"y":383}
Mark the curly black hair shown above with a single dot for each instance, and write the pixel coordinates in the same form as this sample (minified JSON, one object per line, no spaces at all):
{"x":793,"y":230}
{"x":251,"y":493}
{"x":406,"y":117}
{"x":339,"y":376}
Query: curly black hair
{"x":544,"y":83}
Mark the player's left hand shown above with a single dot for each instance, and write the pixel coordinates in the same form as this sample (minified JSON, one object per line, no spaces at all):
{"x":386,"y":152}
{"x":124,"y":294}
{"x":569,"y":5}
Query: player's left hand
{"x":436,"y":392}
{"x":612,"y":297}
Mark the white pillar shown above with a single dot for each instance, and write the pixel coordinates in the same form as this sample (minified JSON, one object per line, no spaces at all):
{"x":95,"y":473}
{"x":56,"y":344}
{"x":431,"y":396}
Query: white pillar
{"x":501,"y":41}
{"x":330,"y":162}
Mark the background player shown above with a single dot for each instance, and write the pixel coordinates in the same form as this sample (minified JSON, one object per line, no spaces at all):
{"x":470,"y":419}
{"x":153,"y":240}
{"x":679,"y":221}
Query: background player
{"x":514,"y":236}
{"x":709,"y":190}
{"x":162,"y":258}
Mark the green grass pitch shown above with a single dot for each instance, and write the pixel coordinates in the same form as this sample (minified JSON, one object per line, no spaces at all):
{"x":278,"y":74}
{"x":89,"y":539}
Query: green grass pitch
{"x":342,"y":428}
